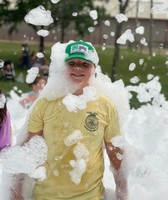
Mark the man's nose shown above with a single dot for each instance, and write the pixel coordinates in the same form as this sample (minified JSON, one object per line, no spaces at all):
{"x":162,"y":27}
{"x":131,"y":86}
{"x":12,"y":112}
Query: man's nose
{"x":78,"y":66}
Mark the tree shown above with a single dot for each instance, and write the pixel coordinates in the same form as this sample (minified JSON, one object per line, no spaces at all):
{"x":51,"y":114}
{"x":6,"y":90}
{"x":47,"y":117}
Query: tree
{"x":151,"y":29}
{"x":61,"y":14}
{"x":122,"y":8}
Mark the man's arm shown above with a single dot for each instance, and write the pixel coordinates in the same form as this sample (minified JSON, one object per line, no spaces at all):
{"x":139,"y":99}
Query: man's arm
{"x":16,"y":190}
{"x":115,"y":155}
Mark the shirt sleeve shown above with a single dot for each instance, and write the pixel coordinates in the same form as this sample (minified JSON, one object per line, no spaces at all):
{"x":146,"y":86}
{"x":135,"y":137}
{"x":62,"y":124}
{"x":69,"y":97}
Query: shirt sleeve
{"x":112,"y":129}
{"x":36,"y":122}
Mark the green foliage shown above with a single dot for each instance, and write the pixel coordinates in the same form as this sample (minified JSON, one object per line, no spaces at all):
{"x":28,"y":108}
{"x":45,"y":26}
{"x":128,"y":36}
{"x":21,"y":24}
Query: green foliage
{"x":60,"y":12}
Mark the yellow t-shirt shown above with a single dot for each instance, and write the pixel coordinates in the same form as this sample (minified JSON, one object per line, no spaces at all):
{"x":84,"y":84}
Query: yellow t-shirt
{"x":98,"y":122}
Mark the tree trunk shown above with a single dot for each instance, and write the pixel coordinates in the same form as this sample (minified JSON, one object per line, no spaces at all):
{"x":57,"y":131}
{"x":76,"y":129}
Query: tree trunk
{"x":116,"y":52}
{"x":62,"y":23}
{"x":151,"y":29}
{"x":62,"y":32}
{"x":122,"y":7}
{"x":41,"y":45}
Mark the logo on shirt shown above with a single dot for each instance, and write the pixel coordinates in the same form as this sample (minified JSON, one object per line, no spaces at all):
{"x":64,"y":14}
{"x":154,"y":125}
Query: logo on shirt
{"x":91,"y":122}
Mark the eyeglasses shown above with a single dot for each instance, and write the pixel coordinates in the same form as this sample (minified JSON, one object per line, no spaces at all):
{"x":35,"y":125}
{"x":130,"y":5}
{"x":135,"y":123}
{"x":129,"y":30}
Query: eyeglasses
{"x":83,"y":65}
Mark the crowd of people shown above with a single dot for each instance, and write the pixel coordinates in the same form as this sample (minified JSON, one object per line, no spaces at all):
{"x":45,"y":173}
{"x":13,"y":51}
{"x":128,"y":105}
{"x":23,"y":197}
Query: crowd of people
{"x":92,"y":126}
{"x":26,"y":61}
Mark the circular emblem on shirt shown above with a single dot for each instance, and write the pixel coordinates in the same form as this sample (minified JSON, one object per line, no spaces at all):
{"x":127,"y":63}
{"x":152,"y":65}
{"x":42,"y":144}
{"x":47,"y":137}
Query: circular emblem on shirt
{"x":91,"y":122}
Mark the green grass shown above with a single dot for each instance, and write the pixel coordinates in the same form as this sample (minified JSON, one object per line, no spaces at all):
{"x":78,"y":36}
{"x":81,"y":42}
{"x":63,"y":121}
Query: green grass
{"x":152,"y":65}
{"x":12,"y":51}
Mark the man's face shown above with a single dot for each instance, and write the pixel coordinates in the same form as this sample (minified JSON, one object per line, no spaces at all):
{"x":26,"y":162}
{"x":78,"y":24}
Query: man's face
{"x":79,"y":71}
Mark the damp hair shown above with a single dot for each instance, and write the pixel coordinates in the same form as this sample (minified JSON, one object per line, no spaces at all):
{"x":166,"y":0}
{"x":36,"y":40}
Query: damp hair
{"x":2,"y":112}
{"x":36,"y":80}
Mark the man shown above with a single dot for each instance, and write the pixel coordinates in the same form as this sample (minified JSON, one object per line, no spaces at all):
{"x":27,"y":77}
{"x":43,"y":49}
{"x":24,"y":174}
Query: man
{"x":74,"y":139}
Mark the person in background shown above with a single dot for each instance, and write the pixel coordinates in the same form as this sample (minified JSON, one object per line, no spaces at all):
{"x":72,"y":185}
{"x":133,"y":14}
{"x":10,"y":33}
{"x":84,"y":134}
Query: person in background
{"x":39,"y":60}
{"x":24,"y":60}
{"x":75,"y":140}
{"x":37,"y":85}
{"x":8,"y":71}
{"x":5,"y":124}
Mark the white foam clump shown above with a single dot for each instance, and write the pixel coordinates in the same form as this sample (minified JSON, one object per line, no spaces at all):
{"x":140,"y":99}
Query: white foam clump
{"x":143,"y":41}
{"x":75,"y":103}
{"x":146,"y":117}
{"x":140,"y":30}
{"x":134,"y":79}
{"x":132,"y":66}
{"x":81,"y":153}
{"x":93,"y":14}
{"x":107,"y":23}
{"x":39,"y":17}
{"x":146,"y":142}
{"x":55,"y":1}
{"x":79,"y":165}
{"x":39,"y":173}
{"x":40,"y":55}
{"x":2,"y":101}
{"x":32,"y":74}
{"x":149,"y":92}
{"x":127,"y":35}
{"x":146,"y":152}
{"x":91,"y":29}
{"x":25,"y":159}
{"x":116,"y":92}
{"x":105,"y":36}
{"x":150,"y":76}
{"x":74,"y":14}
{"x":141,"y":61}
{"x":121,"y":17}
{"x":118,"y":141}
{"x":73,"y":138}
{"x":1,"y":64}
{"x":43,"y":32}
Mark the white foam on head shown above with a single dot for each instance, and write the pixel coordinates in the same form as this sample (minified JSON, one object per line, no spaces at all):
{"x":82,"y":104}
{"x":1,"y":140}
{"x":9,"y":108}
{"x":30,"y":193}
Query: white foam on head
{"x":32,"y":74}
{"x":58,"y":85}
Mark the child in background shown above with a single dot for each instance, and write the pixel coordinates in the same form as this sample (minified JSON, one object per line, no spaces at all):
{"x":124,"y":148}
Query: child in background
{"x":5,"y":123}
{"x":8,"y":71}
{"x":37,"y":85}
